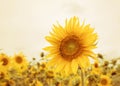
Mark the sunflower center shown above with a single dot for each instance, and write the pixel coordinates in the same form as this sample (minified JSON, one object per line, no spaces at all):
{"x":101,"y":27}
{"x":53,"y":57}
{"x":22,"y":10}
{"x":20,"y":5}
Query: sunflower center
{"x":18,"y":59}
{"x":5,"y":61}
{"x":96,"y":65}
{"x":70,"y":47}
{"x":104,"y":82}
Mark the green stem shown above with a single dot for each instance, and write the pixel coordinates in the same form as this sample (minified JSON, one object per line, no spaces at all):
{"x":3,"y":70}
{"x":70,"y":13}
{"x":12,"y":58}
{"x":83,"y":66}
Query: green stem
{"x":83,"y":77}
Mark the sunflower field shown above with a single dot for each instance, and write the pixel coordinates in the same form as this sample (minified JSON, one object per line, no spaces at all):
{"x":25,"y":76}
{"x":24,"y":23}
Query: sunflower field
{"x":67,"y":62}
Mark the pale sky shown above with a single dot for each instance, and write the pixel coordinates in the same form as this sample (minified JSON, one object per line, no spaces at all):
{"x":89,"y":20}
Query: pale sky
{"x":25,"y":23}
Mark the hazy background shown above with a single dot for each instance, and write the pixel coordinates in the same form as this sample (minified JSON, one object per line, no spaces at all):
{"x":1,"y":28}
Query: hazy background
{"x":25,"y":23}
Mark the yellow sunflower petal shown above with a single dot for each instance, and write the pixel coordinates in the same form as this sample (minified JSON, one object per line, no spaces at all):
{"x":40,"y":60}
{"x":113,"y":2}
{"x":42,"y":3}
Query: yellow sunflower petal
{"x":51,"y":49}
{"x":52,"y":62}
{"x":92,"y":55}
{"x":67,"y":68}
{"x":61,"y":64}
{"x":74,"y":66}
{"x":58,"y":32}
{"x":51,"y":40}
{"x":84,"y":62}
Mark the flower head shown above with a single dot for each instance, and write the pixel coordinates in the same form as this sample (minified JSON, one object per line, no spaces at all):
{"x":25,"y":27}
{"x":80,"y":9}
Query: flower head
{"x":71,"y":45}
{"x":20,"y":62}
{"x":4,"y":62}
{"x":105,"y":81}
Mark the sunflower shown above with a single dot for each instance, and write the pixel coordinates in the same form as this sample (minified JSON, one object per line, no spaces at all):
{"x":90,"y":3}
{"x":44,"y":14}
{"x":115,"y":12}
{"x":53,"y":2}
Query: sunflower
{"x":5,"y":65}
{"x":4,"y":62}
{"x":4,"y":74}
{"x":96,"y":69}
{"x":105,"y":81}
{"x":71,"y":45}
{"x":19,"y":62}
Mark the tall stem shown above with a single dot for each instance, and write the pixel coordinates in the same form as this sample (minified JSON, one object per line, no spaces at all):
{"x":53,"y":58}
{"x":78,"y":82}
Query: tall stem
{"x":83,"y":77}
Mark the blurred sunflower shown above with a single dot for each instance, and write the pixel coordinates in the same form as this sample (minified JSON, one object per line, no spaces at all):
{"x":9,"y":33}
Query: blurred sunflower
{"x":105,"y":81}
{"x":19,"y":62}
{"x":4,"y":62}
{"x":96,"y":69}
{"x":3,"y":74}
{"x":71,"y":46}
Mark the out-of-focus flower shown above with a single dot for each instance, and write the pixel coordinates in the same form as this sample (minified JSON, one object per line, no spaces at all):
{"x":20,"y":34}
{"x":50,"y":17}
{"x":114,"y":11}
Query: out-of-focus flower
{"x":96,"y":69}
{"x":19,"y":62}
{"x":4,"y":62}
{"x":105,"y":80}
